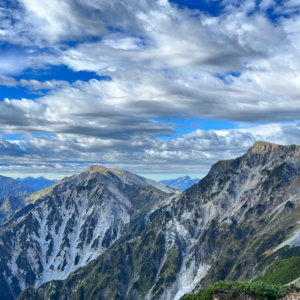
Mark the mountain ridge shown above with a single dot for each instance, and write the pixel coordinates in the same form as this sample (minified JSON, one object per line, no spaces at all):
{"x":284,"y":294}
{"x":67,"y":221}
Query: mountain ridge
{"x":74,"y":222}
{"x":12,"y":187}
{"x":224,"y":227}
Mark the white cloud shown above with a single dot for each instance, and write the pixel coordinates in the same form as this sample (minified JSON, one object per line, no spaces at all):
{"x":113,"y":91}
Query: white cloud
{"x":164,"y":62}
{"x":265,"y":4}
{"x":7,"y":81}
{"x":190,"y":153}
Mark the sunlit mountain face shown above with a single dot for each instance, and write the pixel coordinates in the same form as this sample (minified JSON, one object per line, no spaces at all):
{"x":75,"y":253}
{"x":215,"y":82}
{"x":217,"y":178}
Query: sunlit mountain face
{"x":153,"y":87}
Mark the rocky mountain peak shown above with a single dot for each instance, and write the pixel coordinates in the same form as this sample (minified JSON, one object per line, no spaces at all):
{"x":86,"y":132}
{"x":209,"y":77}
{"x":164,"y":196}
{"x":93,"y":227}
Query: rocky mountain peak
{"x":96,"y":169}
{"x":74,"y":222}
{"x":262,"y":147}
{"x":260,"y":156}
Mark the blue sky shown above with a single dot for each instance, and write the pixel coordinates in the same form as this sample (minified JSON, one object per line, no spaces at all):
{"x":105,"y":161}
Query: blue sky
{"x":162,"y":88}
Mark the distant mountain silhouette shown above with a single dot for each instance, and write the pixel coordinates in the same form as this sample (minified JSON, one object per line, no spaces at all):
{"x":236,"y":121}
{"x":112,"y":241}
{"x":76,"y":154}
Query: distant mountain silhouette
{"x":181,"y":183}
{"x":37,"y":183}
{"x":13,"y":187}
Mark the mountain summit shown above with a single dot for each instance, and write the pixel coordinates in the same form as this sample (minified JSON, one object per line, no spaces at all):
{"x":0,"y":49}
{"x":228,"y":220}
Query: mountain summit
{"x":72,"y":224}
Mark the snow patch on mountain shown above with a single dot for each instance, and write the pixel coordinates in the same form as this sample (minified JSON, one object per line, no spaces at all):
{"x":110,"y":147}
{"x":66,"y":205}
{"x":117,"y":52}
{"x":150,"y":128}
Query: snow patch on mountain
{"x":75,"y":223}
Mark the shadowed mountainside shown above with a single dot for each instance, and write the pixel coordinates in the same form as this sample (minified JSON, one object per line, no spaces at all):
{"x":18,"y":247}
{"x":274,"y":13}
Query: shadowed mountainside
{"x":12,"y":187}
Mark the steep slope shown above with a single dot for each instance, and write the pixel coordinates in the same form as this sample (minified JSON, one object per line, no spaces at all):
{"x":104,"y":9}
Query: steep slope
{"x":233,"y":224}
{"x":37,"y":184}
{"x":282,"y":271}
{"x":8,"y":206}
{"x":73,"y":223}
{"x":10,"y":186}
{"x":181,"y":183}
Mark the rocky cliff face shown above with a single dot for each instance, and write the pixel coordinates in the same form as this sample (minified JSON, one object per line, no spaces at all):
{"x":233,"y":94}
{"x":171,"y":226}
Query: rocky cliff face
{"x":75,"y":222}
{"x":12,"y":187}
{"x":231,"y":225}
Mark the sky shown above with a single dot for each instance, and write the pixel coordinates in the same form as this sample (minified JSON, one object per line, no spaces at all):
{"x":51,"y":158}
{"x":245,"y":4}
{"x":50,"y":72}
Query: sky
{"x":160,"y":88}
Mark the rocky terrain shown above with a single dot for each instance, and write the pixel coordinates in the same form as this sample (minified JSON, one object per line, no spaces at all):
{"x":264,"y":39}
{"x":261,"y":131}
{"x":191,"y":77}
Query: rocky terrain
{"x":72,"y":224}
{"x":181,"y":183}
{"x":12,"y":187}
{"x":233,"y":224}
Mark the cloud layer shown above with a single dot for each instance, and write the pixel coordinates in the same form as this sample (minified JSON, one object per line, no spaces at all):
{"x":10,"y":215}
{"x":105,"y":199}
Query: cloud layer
{"x":157,"y":63}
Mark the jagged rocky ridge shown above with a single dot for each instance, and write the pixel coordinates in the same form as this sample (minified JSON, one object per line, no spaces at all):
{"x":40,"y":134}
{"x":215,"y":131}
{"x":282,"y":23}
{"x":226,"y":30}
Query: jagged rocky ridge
{"x":71,"y":225}
{"x":231,"y":225}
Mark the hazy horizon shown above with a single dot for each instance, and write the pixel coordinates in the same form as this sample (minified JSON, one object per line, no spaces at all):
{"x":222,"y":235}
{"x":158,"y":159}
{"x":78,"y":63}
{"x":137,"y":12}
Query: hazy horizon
{"x":157,"y":177}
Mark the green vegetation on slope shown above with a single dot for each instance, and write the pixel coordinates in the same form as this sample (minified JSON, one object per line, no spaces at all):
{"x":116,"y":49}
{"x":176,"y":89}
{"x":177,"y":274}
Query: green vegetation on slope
{"x":282,"y":272}
{"x":36,"y":195}
{"x":260,"y":290}
{"x":281,"y":254}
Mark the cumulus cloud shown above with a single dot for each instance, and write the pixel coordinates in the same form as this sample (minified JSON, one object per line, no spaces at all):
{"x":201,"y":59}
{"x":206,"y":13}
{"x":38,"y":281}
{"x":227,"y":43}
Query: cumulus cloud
{"x":164,"y":63}
{"x":7,"y":81}
{"x":194,"y":152}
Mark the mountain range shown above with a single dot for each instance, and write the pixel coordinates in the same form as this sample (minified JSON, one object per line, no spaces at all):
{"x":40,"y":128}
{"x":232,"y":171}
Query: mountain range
{"x":181,"y":183}
{"x":37,"y":184}
{"x":12,"y":197}
{"x":10,"y":186}
{"x":17,"y":193}
{"x":110,"y":234}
